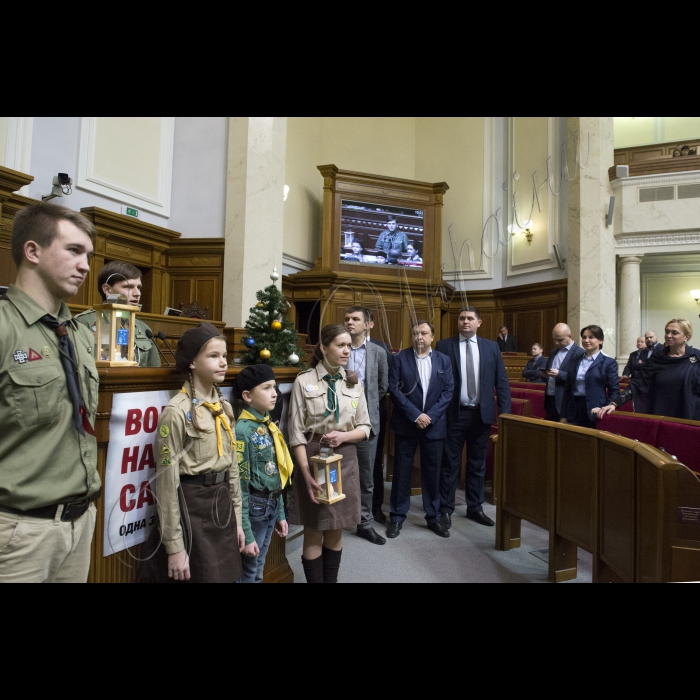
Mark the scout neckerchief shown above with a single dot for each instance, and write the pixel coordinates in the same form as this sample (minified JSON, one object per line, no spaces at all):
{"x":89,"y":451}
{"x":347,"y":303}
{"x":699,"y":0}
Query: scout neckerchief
{"x":70,"y":367}
{"x":220,"y":416}
{"x":332,"y":401}
{"x":284,"y":459}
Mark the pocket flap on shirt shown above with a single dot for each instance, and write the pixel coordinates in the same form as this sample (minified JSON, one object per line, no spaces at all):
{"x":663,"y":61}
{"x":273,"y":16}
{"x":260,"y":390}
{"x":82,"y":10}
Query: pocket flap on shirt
{"x":34,"y":376}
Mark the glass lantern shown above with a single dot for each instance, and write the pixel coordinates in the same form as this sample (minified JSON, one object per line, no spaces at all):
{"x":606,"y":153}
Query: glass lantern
{"x":114,"y":334}
{"x":327,"y":472}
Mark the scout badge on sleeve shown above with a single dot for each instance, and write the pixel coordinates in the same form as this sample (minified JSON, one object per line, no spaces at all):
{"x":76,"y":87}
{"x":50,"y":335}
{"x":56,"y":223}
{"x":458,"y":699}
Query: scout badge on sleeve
{"x":327,"y":473}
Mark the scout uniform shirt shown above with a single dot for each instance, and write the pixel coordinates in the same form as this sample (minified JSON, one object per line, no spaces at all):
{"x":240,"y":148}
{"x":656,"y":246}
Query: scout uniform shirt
{"x":309,"y":402}
{"x":44,"y":461}
{"x":145,"y":351}
{"x":257,"y":464}
{"x":182,"y":449}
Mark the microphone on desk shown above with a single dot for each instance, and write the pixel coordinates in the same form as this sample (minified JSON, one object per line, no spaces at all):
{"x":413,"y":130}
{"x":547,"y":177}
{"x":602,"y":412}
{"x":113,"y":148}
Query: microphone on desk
{"x":149,"y":335}
{"x":164,"y":338}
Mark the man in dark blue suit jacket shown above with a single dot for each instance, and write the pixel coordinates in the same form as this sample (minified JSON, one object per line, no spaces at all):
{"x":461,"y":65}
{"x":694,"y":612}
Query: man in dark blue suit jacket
{"x":478,"y":366}
{"x":562,"y":360}
{"x":421,"y":385}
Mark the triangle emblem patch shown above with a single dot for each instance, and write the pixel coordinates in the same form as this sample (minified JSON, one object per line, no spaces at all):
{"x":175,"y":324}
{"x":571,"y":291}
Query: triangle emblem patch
{"x":34,"y":356}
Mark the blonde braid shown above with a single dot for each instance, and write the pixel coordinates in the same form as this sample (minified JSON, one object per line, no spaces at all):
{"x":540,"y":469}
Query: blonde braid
{"x":226,"y":406}
{"x":195,"y":404}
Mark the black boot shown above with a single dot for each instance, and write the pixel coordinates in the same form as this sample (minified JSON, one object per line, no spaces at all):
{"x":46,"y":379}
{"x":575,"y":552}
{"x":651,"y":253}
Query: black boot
{"x":313,"y":570}
{"x":331,"y":565}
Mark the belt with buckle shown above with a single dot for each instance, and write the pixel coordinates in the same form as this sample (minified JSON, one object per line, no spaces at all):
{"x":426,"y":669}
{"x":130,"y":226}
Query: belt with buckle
{"x":205,"y":479}
{"x":71,"y":511}
{"x":265,"y":493}
{"x":469,"y":408}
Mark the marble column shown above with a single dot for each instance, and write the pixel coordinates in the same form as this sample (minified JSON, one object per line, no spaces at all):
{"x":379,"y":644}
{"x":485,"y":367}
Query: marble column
{"x":257,"y":152}
{"x":592,"y":271}
{"x":630,"y":306}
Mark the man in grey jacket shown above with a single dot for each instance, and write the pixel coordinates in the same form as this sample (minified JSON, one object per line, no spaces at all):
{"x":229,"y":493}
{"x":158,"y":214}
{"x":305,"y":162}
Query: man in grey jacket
{"x":367,"y":366}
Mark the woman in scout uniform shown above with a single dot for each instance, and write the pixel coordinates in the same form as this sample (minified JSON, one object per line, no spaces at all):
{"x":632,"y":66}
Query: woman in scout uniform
{"x":197,"y":487}
{"x":324,"y":407}
{"x":265,"y":467}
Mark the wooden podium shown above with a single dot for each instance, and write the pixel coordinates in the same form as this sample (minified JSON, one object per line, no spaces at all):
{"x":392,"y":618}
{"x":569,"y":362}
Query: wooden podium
{"x":123,"y":567}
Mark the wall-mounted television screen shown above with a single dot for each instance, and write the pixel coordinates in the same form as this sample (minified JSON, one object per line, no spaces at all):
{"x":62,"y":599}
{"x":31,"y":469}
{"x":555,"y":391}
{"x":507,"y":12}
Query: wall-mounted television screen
{"x":377,"y":234}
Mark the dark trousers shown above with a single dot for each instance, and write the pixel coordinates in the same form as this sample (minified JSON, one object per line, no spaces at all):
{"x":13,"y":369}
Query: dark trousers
{"x":583,"y":418}
{"x":472,"y":430}
{"x":378,"y":495}
{"x":550,"y":408}
{"x":430,"y":460}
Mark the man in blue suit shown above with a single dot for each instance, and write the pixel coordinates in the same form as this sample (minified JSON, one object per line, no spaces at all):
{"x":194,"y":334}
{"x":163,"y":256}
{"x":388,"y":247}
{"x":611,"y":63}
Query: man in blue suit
{"x":562,"y":360}
{"x":479,"y":366}
{"x":421,"y":385}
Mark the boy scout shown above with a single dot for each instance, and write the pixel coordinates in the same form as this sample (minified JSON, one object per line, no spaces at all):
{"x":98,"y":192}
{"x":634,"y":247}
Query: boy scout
{"x":48,"y":399}
{"x":265,"y":467}
{"x":123,"y":278}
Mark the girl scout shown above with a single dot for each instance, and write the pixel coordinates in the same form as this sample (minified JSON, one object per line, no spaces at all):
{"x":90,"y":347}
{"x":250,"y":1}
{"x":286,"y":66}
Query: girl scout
{"x":197,"y":487}
{"x":324,"y":407}
{"x":265,"y":467}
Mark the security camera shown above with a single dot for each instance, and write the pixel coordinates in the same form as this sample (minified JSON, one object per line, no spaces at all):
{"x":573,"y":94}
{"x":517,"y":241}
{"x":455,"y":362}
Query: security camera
{"x":62,"y":185}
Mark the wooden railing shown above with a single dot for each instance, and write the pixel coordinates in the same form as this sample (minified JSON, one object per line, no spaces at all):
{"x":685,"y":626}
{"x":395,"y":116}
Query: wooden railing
{"x":634,"y":508}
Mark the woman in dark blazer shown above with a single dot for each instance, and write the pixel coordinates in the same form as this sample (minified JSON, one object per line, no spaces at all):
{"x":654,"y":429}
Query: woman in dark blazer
{"x":593,"y":383}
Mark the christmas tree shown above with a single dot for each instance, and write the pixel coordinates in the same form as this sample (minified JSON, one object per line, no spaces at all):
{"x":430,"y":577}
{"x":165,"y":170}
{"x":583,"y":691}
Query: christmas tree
{"x":271,"y":339}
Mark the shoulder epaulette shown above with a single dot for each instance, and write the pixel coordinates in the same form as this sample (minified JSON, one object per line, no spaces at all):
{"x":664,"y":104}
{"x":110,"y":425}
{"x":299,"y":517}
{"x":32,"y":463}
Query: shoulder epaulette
{"x":85,"y":313}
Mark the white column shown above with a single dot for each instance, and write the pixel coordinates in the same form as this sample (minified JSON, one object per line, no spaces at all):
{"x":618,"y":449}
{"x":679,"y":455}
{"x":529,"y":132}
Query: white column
{"x":592,"y":273}
{"x":257,"y":152}
{"x":630,"y":306}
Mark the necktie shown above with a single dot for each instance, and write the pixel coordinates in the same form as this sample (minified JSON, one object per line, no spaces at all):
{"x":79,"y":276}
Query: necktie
{"x":471,"y":376}
{"x":284,"y":458}
{"x":332,"y":402}
{"x":70,"y":367}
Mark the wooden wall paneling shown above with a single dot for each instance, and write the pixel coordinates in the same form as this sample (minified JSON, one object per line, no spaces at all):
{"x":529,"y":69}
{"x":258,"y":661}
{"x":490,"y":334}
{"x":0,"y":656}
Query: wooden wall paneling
{"x":639,"y":154}
{"x":10,"y":203}
{"x":616,"y":560}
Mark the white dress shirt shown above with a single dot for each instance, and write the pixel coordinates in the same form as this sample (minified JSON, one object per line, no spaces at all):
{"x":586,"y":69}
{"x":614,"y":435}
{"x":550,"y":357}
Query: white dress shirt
{"x":476,"y":356}
{"x":425,"y":372}
{"x":558,"y":362}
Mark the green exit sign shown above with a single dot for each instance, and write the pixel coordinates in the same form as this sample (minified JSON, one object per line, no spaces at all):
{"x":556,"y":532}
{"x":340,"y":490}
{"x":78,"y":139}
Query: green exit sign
{"x":130,"y":211}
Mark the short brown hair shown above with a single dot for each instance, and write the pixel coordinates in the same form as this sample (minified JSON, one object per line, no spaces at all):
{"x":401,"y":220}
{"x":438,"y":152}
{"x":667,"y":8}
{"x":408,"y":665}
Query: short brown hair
{"x":328,"y":335}
{"x":424,"y":323}
{"x":122,"y":271}
{"x":472,"y":310}
{"x":39,"y":223}
{"x":360,"y":310}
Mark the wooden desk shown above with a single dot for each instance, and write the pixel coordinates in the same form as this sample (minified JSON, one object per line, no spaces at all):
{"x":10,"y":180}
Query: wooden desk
{"x":123,"y":567}
{"x":633,"y":507}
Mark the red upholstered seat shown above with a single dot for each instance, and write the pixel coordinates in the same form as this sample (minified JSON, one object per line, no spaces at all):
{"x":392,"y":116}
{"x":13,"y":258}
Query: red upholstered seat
{"x":645,"y":430}
{"x":527,"y":385}
{"x":681,"y":441}
{"x":536,"y":399}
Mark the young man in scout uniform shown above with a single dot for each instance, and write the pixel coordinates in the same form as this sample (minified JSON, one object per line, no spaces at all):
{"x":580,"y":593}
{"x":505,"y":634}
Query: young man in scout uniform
{"x":265,"y":466}
{"x":48,"y":399}
{"x":123,"y":278}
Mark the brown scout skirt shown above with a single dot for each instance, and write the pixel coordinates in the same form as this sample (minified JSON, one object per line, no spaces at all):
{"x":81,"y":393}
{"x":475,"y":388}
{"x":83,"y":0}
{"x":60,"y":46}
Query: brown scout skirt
{"x":341,"y":515}
{"x":211,"y":537}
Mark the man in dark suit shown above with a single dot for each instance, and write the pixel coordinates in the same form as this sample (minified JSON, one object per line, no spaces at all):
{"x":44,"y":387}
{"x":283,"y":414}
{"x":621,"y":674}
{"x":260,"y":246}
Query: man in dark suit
{"x":479,"y":370}
{"x":653,"y":345}
{"x":532,"y":373}
{"x":561,"y":361}
{"x":378,"y":495}
{"x":506,"y":342}
{"x":636,"y":358}
{"x":421,"y":385}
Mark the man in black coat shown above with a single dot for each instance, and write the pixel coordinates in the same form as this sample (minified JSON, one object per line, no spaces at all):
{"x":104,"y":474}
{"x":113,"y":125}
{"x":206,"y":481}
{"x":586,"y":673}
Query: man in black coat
{"x":507,"y":342}
{"x":636,"y":358}
{"x":478,"y":369}
{"x":653,"y":345}
{"x":562,"y":360}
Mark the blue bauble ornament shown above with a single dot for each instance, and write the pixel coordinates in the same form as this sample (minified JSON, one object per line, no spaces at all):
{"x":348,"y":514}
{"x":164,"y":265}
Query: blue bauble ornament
{"x":249,"y":342}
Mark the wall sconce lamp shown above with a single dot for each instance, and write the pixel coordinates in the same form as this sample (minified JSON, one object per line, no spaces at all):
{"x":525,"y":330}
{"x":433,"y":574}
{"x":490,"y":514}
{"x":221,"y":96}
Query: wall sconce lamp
{"x":696,"y":295}
{"x":526,"y":228}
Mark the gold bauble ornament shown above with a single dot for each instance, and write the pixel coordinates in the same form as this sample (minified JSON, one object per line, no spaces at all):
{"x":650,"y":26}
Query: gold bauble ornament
{"x":265,"y":354}
{"x":276,"y":326}
{"x":260,"y":306}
